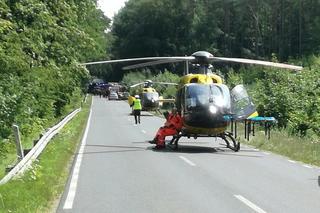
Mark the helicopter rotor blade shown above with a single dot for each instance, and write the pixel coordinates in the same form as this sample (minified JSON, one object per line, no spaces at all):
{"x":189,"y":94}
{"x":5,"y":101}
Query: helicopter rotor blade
{"x":139,"y":59}
{"x":163,"y":61}
{"x":166,"y":83}
{"x":135,"y":85}
{"x":258,"y":62}
{"x":197,"y":57}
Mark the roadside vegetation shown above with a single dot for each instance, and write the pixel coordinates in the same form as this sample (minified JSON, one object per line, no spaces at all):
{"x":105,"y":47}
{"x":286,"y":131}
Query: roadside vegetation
{"x":293,"y":99}
{"x":297,"y":148}
{"x":41,"y":186}
{"x":41,"y":81}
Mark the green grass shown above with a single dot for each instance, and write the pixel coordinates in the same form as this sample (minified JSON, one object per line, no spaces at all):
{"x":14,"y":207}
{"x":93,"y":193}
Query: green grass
{"x":296,"y":148}
{"x":10,"y":158}
{"x":42,"y":185}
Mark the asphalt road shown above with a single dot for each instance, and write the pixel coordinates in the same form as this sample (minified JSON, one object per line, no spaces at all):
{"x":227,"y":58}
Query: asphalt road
{"x":116,"y":170}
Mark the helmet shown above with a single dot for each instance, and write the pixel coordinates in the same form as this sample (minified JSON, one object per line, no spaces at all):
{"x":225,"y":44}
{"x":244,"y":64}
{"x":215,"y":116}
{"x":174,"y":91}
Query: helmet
{"x":136,"y":96}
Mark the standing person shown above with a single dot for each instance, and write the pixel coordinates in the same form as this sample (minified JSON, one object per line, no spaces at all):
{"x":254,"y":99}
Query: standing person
{"x":136,"y":105}
{"x":172,"y":126}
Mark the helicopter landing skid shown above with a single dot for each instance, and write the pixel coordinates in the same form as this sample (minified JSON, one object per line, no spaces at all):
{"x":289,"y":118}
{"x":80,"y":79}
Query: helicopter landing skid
{"x":226,"y":136}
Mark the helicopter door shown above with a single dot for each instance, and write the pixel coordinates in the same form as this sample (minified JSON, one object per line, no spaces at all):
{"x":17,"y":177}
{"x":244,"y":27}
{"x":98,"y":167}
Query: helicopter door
{"x":242,"y":106}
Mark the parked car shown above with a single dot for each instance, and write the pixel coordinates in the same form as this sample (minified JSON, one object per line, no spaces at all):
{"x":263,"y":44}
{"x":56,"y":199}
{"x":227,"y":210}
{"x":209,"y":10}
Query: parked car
{"x":123,"y":95}
{"x":113,"y":96}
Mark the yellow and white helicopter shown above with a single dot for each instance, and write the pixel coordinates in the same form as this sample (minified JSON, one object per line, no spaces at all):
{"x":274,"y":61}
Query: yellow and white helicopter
{"x":150,"y":98}
{"x":204,"y":102}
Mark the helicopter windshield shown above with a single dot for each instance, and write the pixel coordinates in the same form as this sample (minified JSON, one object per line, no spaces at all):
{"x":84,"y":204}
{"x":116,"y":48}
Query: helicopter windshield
{"x":151,"y":96}
{"x":203,"y":95}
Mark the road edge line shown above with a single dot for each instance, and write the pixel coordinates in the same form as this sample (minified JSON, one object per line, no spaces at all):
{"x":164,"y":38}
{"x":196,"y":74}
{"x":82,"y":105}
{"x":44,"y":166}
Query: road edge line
{"x":76,"y":169}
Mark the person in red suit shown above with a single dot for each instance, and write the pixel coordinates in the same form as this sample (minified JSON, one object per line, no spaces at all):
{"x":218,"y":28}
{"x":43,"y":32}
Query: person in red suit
{"x":172,"y":126}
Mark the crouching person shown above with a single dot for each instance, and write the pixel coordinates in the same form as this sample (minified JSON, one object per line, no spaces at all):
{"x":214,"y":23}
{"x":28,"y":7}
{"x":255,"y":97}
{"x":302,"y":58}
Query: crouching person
{"x":171,"y":127}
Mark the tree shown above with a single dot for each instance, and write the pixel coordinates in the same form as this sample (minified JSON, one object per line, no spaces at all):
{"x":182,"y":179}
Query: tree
{"x":41,"y":45}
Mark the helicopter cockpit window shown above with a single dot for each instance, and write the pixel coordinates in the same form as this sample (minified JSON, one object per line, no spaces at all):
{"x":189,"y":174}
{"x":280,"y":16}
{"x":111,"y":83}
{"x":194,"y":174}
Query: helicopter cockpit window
{"x":203,"y":95}
{"x":220,"y":95}
{"x":194,"y":80}
{"x":197,"y":96}
{"x":151,"y":96}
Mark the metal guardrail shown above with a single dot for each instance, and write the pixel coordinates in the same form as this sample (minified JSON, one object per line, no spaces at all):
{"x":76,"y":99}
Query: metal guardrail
{"x":38,"y":148}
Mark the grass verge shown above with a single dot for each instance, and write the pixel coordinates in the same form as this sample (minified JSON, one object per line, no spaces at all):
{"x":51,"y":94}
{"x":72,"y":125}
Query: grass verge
{"x":40,"y":186}
{"x":9,"y":159}
{"x":296,"y":148}
{"x":8,"y":153}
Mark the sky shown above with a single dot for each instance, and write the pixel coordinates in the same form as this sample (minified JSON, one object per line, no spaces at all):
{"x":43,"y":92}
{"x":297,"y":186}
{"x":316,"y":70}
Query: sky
{"x":110,"y":7}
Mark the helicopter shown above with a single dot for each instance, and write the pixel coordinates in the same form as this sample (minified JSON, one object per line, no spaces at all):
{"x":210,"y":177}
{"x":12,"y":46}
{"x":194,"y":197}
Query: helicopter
{"x":150,"y":99}
{"x":207,"y":106}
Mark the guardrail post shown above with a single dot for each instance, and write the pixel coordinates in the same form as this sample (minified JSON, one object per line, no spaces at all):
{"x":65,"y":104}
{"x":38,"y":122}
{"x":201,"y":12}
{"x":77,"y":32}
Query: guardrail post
{"x":18,"y":141}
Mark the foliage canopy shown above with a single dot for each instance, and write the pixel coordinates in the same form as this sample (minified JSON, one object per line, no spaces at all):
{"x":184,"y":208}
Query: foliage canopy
{"x":41,"y":45}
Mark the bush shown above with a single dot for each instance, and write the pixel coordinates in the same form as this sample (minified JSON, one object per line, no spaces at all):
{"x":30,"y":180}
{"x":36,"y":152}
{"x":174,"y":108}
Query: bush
{"x":292,"y":98}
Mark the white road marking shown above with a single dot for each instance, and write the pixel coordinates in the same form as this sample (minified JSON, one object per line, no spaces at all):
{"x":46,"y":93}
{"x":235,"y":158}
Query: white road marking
{"x":187,"y":161}
{"x":291,"y":161}
{"x":250,"y":204}
{"x":266,"y":153}
{"x":143,"y":131}
{"x":75,"y":174}
{"x":307,"y":166}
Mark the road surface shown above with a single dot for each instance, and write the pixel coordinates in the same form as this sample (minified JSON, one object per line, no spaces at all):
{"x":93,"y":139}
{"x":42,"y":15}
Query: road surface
{"x":116,"y":170}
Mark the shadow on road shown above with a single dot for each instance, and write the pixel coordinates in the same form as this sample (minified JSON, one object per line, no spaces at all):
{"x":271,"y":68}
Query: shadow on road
{"x":142,"y":115}
{"x":146,"y":115}
{"x":115,"y":146}
{"x":112,"y":151}
{"x":190,"y":149}
{"x":187,"y":149}
{"x":115,"y":149}
{"x":319,"y":181}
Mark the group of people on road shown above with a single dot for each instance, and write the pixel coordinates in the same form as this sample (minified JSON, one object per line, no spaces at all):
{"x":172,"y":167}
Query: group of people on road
{"x":171,"y":127}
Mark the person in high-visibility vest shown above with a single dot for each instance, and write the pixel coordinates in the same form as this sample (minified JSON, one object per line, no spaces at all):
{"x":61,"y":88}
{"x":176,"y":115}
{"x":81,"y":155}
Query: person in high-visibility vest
{"x":136,"y":105}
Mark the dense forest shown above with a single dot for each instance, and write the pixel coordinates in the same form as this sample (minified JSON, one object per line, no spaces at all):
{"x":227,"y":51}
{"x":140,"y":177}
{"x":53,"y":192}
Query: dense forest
{"x":41,"y":45}
{"x":282,"y":30}
{"x":243,"y":28}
